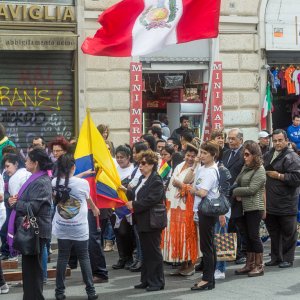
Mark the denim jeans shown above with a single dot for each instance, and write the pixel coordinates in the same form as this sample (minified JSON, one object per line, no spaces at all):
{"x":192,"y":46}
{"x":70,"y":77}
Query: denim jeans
{"x":44,"y":262}
{"x":139,"y":254}
{"x":221,"y":265}
{"x":64,"y":249}
{"x":108,"y":233}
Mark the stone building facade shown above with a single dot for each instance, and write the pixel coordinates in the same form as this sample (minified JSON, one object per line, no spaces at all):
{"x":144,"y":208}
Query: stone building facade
{"x":104,"y":81}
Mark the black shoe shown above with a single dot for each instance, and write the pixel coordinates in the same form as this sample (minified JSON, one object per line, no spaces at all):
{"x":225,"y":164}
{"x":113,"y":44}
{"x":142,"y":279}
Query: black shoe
{"x":119,"y":265}
{"x":128,"y":264}
{"x":141,"y":286}
{"x":60,"y":297}
{"x":240,"y":261}
{"x":92,"y":297}
{"x":154,"y":288}
{"x":272,"y":263}
{"x":285,"y":264}
{"x":136,"y":267}
{"x":206,"y":286}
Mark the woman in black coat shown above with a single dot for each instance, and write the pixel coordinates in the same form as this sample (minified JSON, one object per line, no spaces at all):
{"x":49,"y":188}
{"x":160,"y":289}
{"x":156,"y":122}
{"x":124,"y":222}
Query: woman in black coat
{"x":148,"y":193}
{"x":38,"y":194}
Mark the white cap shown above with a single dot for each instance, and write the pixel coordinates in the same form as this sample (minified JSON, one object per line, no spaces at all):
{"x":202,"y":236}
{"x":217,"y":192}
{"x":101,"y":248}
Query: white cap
{"x":263,"y":134}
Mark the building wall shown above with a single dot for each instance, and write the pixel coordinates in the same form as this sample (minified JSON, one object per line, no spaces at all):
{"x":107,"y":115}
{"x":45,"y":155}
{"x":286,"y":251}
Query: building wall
{"x":104,"y":82}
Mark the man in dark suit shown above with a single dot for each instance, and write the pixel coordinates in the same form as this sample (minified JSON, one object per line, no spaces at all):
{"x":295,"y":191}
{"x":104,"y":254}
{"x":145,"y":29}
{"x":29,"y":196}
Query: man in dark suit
{"x":233,"y":160}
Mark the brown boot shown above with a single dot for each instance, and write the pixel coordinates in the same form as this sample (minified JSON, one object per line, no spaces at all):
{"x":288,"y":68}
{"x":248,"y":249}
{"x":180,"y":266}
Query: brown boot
{"x":259,"y":267}
{"x":250,"y":264}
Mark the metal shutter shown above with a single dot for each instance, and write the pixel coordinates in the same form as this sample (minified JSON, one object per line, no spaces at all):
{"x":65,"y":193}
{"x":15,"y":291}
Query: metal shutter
{"x":36,"y":95}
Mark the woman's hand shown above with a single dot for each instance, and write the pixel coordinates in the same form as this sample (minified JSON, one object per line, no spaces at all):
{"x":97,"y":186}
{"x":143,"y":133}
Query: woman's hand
{"x":273,"y":174}
{"x":238,"y":199}
{"x":12,"y":200}
{"x":222,"y":221}
{"x":129,"y":205}
{"x":176,"y":183}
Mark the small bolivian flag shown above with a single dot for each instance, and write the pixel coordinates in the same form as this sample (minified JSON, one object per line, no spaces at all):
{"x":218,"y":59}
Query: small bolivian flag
{"x":164,"y":169}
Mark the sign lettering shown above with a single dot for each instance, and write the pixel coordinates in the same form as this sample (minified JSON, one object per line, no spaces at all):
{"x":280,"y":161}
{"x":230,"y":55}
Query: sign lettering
{"x":136,"y":82}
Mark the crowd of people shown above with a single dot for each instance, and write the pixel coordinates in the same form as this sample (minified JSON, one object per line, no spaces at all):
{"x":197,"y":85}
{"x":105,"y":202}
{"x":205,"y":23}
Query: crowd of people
{"x":166,"y":175}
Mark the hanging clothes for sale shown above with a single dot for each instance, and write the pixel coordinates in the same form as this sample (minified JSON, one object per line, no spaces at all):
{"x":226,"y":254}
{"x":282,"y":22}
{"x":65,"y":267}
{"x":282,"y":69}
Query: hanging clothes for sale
{"x":288,"y":77}
{"x":281,"y":76}
{"x":275,"y":73}
{"x":296,"y":82}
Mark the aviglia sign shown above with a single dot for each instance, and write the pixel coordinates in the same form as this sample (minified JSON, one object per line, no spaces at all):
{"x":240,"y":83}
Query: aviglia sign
{"x":48,"y":13}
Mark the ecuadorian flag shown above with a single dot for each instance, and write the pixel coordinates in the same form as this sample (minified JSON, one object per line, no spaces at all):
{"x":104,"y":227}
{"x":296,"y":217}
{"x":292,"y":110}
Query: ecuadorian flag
{"x":91,"y":149}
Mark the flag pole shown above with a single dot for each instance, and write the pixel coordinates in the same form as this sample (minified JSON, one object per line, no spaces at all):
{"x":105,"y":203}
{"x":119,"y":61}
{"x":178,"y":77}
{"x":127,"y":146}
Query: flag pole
{"x":88,"y":114}
{"x":209,"y":90}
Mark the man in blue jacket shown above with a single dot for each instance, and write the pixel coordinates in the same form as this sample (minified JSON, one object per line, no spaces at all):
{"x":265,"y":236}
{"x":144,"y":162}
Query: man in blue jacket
{"x":293,"y":131}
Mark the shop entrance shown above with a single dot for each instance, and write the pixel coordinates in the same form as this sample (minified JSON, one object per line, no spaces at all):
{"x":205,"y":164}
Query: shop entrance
{"x":173,"y":94}
{"x":284,"y":78}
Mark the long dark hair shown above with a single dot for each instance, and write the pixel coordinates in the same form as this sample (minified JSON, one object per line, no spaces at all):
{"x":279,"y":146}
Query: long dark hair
{"x":64,"y":165}
{"x":255,"y":150}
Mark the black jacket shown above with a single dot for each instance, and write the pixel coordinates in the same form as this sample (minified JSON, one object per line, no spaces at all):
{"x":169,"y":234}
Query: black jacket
{"x":150,"y":194}
{"x":178,"y":132}
{"x":39,"y":195}
{"x":235,"y":166}
{"x":282,"y":196}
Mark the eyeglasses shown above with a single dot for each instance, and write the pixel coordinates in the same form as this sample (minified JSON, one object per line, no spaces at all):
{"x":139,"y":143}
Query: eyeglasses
{"x":246,"y":154}
{"x":143,"y":163}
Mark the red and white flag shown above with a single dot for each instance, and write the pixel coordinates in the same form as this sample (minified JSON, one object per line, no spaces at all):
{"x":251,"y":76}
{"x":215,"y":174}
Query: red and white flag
{"x":139,"y":27}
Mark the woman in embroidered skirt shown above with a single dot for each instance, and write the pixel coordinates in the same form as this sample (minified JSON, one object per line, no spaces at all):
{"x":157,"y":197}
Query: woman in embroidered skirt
{"x":180,"y":238}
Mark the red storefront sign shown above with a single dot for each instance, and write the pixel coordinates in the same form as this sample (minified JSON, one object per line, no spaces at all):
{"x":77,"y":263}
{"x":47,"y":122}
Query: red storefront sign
{"x":215,"y":110}
{"x":136,"y":95}
{"x":217,"y":97}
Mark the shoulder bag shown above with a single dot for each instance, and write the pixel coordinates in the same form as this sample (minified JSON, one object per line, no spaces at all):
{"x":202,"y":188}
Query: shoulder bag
{"x":158,"y":216}
{"x":215,"y":207}
{"x":26,"y":239}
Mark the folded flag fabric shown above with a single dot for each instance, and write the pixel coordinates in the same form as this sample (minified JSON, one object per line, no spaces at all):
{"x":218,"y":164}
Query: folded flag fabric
{"x":164,"y":169}
{"x":91,"y":149}
{"x":139,"y":27}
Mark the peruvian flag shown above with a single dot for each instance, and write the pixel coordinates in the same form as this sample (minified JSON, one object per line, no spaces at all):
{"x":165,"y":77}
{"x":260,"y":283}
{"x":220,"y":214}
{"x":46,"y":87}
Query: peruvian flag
{"x":267,"y":107}
{"x":139,"y":27}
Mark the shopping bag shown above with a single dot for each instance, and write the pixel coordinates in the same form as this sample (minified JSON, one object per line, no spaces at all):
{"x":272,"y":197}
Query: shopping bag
{"x":226,"y":245}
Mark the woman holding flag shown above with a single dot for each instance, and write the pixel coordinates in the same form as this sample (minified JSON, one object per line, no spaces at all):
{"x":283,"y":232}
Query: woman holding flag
{"x":165,"y":169}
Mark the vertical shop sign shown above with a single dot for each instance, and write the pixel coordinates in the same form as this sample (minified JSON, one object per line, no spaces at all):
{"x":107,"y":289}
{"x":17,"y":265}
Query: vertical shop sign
{"x":136,"y":93}
{"x":217,"y":97}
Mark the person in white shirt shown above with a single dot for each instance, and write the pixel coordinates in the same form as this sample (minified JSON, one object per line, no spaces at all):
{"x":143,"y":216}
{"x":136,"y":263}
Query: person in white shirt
{"x":206,"y":185}
{"x":70,"y":223}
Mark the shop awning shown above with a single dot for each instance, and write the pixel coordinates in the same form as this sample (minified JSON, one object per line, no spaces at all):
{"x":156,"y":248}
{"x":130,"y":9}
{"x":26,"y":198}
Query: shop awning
{"x":37,"y":40}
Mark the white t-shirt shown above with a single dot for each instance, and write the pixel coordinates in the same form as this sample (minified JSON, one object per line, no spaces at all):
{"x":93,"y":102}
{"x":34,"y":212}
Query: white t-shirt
{"x":2,"y":206}
{"x":17,"y":180}
{"x":71,"y":218}
{"x":126,"y":172}
{"x":206,"y":179}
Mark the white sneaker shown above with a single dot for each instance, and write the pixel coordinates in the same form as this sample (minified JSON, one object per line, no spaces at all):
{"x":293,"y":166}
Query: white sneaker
{"x":4,"y":289}
{"x":14,"y":258}
{"x":219,"y":275}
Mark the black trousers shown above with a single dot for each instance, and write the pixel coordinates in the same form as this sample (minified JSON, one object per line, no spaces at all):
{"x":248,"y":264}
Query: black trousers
{"x":237,"y":225}
{"x":32,"y":274}
{"x":96,"y":253}
{"x":2,"y":280}
{"x":207,"y":246}
{"x":125,"y":239}
{"x":252,"y":221}
{"x":152,"y":273}
{"x":283,"y":234}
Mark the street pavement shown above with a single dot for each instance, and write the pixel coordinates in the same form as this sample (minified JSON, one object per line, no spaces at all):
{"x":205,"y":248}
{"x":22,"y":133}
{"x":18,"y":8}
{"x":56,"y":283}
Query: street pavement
{"x":275,"y":284}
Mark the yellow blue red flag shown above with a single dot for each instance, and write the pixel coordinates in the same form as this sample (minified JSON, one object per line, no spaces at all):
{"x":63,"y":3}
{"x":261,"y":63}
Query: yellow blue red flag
{"x":91,"y":149}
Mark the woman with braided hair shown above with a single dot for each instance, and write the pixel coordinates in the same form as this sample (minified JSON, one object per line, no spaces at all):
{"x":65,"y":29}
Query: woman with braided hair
{"x":70,"y":223}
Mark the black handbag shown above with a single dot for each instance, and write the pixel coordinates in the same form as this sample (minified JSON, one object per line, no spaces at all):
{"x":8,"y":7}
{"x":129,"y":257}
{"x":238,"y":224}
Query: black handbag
{"x":215,"y":207}
{"x":26,"y":239}
{"x":158,"y":216}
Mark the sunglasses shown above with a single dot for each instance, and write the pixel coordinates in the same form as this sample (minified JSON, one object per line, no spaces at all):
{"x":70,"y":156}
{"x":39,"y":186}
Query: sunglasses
{"x":143,"y":162}
{"x":246,"y":154}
